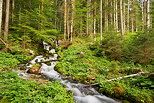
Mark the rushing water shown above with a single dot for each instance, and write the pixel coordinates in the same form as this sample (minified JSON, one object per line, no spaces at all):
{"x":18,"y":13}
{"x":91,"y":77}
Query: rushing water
{"x":81,"y":93}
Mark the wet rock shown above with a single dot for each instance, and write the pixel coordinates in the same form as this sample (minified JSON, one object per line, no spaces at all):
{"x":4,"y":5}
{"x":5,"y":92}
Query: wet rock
{"x":76,"y":92}
{"x":34,"y":69}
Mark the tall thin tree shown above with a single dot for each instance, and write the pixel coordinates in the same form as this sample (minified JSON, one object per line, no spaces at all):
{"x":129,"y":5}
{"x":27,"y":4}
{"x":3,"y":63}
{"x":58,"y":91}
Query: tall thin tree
{"x":148,"y":13}
{"x":65,"y":18}
{"x":72,"y":17}
{"x":6,"y":20}
{"x":1,"y":7}
{"x":121,"y":19}
{"x":101,"y":21}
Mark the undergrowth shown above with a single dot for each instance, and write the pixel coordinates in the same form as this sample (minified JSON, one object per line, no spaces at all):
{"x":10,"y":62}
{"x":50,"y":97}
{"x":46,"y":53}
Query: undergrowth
{"x":8,"y":60}
{"x":16,"y":90}
{"x":82,"y":63}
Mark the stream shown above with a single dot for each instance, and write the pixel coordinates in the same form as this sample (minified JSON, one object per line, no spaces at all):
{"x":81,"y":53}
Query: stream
{"x":81,"y":93}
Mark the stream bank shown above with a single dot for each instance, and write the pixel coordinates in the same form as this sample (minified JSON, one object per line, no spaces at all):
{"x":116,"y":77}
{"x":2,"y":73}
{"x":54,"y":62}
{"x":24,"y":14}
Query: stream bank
{"x":81,"y":93}
{"x":81,"y":62}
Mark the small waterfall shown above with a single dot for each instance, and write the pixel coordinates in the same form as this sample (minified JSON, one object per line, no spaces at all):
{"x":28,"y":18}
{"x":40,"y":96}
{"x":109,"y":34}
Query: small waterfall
{"x":81,"y":93}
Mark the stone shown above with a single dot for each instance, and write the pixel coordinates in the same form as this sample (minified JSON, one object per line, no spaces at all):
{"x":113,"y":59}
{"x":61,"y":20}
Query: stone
{"x":34,"y":70}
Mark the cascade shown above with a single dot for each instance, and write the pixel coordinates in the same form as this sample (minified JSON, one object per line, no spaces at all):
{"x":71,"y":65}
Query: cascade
{"x":81,"y":93}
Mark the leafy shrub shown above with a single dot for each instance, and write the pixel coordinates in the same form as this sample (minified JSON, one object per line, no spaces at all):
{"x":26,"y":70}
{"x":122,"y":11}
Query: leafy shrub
{"x":8,"y":60}
{"x":137,"y":95}
{"x":81,"y":62}
{"x":140,"y":47}
{"x":17,"y":90}
{"x":111,"y":46}
{"x":135,"y":90}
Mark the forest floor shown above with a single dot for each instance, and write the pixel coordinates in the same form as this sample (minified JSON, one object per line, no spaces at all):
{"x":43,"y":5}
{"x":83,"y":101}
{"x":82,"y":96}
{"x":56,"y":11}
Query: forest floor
{"x":34,"y":90}
{"x":81,"y":63}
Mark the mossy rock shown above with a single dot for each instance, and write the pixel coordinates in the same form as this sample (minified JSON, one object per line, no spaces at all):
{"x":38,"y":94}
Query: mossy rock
{"x":35,"y":69}
{"x":3,"y":100}
{"x":118,"y":91}
{"x":125,"y":101}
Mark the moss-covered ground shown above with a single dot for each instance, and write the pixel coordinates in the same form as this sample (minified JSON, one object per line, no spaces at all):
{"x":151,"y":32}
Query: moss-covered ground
{"x":81,"y":62}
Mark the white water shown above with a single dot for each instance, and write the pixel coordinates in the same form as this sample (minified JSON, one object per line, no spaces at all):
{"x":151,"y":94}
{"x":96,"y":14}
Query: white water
{"x":81,"y":93}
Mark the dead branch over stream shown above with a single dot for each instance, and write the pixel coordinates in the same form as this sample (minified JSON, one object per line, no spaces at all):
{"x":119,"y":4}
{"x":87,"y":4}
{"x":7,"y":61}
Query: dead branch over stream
{"x":119,"y":78}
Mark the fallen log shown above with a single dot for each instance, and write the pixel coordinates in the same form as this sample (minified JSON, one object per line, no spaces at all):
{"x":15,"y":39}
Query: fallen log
{"x":48,"y":61}
{"x":3,"y":41}
{"x":119,"y":78}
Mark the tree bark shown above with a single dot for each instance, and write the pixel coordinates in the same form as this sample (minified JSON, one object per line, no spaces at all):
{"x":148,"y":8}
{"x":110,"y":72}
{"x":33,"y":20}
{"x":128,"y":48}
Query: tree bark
{"x":114,"y":15}
{"x":6,"y":20}
{"x":65,"y":18}
{"x":142,"y":6}
{"x":124,"y":17}
{"x":72,"y":17}
{"x":116,"y":7}
{"x":68,"y":23}
{"x":119,"y":78}
{"x":88,"y":23}
{"x":132,"y":25}
{"x":148,"y":13}
{"x":101,"y":21}
{"x":1,"y":10}
{"x":106,"y":16}
{"x":121,"y":19}
{"x":94,"y":20}
{"x":13,"y":7}
{"x":145,"y":14}
{"x":128,"y":5}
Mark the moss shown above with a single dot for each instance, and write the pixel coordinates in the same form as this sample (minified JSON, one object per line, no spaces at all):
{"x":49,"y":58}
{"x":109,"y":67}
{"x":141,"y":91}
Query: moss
{"x":118,"y":91}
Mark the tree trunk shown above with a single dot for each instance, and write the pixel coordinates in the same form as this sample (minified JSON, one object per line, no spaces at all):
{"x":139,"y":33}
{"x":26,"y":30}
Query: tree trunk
{"x":114,"y":15}
{"x":13,"y":7}
{"x":94,"y":20}
{"x":142,"y":6}
{"x":116,"y":7}
{"x":145,"y":14}
{"x":106,"y":16}
{"x":68,"y":23}
{"x":72,"y":17}
{"x":65,"y":18}
{"x":6,"y":20}
{"x":124,"y":17}
{"x":148,"y":13}
{"x":119,"y":78}
{"x":88,"y":18}
{"x":132,"y":25}
{"x":128,"y":16}
{"x":1,"y":10}
{"x":121,"y":19}
{"x":101,"y":21}
{"x":111,"y":13}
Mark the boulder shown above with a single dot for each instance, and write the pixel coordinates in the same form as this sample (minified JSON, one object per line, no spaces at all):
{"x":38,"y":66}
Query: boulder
{"x":34,"y":70}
